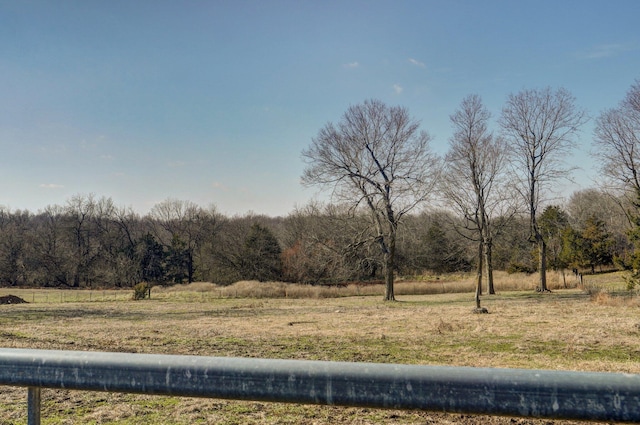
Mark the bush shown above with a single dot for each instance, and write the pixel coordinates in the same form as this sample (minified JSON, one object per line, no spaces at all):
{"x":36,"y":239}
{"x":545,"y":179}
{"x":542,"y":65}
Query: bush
{"x":631,"y":280}
{"x":520,"y":268}
{"x":141,"y":291}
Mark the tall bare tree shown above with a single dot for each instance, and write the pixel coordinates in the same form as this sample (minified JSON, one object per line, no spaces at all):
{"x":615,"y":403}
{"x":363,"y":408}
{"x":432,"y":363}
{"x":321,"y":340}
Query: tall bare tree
{"x":177,"y":225}
{"x":53,"y":248}
{"x":80,"y":212}
{"x":541,"y":126}
{"x":475,"y":165}
{"x":617,"y":143}
{"x":375,"y":157}
{"x":324,"y":244}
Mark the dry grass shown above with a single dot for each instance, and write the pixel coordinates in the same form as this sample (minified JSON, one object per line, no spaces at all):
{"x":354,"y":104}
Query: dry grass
{"x":564,"y":329}
{"x":606,"y":298}
{"x":204,"y":291}
{"x":433,"y":285}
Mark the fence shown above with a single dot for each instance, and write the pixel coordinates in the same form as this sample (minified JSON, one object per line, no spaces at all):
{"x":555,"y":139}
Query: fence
{"x":509,"y":392}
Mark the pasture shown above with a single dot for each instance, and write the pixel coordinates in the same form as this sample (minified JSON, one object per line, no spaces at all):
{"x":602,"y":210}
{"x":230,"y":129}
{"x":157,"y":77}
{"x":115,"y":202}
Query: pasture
{"x":568,"y":329}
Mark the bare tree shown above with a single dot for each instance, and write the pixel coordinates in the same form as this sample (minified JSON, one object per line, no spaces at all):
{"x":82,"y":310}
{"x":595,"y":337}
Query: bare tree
{"x":13,"y":246}
{"x":632,"y":101}
{"x":205,"y":250}
{"x":53,"y":248}
{"x":121,"y":230}
{"x":324,"y":244}
{"x":375,"y":157}
{"x":475,"y":165}
{"x":617,"y":145}
{"x":80,"y":212}
{"x":606,"y":206}
{"x":617,"y":142}
{"x":541,"y":126}
{"x":178,"y":226}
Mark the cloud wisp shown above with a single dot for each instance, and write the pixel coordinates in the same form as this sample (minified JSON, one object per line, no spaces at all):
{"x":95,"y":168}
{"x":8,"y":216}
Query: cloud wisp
{"x":51,"y":186}
{"x":600,"y":51}
{"x":417,"y":63}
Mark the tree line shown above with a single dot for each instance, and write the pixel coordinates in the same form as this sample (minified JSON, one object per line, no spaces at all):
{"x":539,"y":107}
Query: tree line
{"x":397,"y":209}
{"x":89,"y":242}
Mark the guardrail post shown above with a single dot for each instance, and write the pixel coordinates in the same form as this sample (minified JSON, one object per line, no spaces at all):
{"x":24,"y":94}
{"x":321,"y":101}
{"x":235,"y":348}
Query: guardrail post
{"x":33,"y":406}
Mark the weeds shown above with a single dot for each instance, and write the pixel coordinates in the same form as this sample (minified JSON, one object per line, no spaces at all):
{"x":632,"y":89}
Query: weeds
{"x":206,"y":292}
{"x":141,"y":291}
{"x":426,"y":286}
{"x":604,"y":297}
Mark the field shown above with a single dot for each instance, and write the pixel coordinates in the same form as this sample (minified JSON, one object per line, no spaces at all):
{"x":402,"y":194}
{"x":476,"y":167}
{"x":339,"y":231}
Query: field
{"x":569,"y":329}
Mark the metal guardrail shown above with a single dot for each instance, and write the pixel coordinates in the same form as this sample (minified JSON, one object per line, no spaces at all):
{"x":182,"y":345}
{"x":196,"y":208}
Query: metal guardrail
{"x":509,"y":392}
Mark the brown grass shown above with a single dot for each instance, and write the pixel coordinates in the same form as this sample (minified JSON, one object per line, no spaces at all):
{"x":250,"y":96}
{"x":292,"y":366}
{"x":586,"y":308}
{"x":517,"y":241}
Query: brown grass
{"x":560,"y":330}
{"x":435,"y":285}
{"x":566,"y":329}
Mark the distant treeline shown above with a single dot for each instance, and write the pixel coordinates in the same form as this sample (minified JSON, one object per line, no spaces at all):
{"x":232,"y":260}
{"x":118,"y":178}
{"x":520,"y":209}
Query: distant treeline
{"x":90,"y":242}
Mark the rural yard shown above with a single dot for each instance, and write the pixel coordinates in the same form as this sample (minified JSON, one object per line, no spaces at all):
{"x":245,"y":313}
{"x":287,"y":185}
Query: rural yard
{"x":381,"y":185}
{"x":566,"y":329}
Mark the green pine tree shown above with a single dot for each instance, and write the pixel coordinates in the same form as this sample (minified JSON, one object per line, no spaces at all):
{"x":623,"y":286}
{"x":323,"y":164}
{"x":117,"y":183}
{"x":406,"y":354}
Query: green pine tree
{"x":262,"y":255}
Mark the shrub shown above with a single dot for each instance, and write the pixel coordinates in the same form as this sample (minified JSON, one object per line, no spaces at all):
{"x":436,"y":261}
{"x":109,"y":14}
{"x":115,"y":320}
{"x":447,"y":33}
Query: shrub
{"x":519,"y":268}
{"x":141,"y":291}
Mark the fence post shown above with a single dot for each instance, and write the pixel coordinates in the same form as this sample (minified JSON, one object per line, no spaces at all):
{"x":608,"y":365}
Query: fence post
{"x":33,"y":406}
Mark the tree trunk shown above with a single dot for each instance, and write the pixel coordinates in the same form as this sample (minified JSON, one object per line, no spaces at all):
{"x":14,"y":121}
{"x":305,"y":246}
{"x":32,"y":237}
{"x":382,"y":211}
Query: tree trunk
{"x":479,"y":275}
{"x":488,"y":247}
{"x":389,"y":264}
{"x":542,"y":264}
{"x":190,"y":266}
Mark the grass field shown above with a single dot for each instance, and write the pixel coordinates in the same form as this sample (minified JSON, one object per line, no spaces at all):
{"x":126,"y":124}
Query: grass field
{"x":567,"y":329}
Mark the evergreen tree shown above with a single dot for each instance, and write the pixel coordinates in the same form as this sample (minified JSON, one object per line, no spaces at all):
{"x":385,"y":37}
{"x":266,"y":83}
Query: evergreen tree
{"x":177,"y":260}
{"x":441,"y":253}
{"x":262,"y":256}
{"x":591,"y":247}
{"x":598,"y":244}
{"x":152,"y":258}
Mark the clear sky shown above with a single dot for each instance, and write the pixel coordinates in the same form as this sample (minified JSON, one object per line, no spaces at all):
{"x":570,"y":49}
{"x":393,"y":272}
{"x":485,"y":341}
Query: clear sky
{"x":213,"y":101}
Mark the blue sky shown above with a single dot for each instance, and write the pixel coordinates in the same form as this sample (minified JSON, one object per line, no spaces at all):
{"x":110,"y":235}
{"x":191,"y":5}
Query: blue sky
{"x":213,"y":101}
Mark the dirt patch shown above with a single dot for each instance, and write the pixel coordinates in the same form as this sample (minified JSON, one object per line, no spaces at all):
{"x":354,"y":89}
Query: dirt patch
{"x":11,"y":299}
